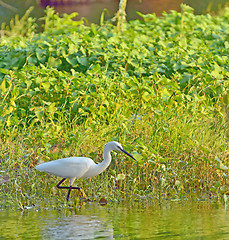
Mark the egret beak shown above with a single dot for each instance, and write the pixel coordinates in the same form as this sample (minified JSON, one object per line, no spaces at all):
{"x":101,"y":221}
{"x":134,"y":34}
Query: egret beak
{"x":128,"y":154}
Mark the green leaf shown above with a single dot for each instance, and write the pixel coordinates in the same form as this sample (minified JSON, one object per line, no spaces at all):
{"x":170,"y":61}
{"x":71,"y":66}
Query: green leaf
{"x":216,"y":73}
{"x":51,"y":108}
{"x":226,"y":99}
{"x":120,"y":176}
{"x":82,"y":60}
{"x":165,"y":95}
{"x":4,"y":86}
{"x":46,"y":86}
{"x":72,"y":60}
{"x":41,"y":54}
{"x":54,"y":62}
{"x":146,"y":96}
{"x":39,"y":114}
{"x":183,"y":43}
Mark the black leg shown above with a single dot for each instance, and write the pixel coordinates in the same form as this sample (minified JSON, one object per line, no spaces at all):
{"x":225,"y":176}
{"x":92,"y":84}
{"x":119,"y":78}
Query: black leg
{"x":58,"y":185}
{"x":69,"y":188}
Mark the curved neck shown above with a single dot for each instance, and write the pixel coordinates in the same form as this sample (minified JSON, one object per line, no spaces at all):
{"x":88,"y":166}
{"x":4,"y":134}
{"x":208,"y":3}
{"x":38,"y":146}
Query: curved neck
{"x":106,"y":162}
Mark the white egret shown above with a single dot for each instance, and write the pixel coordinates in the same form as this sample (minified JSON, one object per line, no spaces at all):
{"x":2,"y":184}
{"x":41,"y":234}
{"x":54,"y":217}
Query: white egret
{"x":79,"y":167}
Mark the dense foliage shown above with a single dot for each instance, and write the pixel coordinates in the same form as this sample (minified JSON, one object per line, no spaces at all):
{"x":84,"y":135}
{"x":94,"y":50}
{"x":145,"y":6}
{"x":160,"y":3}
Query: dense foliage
{"x":160,"y":84}
{"x":90,"y":72}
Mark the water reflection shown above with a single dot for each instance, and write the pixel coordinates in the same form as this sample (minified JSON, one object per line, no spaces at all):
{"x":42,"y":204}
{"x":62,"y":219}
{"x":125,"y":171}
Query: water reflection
{"x":65,"y":224}
{"x":146,"y":220}
{"x":76,"y":227}
{"x":173,"y":221}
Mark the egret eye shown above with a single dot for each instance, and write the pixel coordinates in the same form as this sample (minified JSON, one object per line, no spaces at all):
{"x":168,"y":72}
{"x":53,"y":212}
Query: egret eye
{"x":119,"y":148}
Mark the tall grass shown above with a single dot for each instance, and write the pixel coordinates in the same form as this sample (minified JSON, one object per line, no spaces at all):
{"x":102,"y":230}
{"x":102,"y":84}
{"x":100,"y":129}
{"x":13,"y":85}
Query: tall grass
{"x":176,"y":159}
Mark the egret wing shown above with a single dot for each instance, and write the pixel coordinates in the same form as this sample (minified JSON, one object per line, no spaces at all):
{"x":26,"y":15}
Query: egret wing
{"x":73,"y":167}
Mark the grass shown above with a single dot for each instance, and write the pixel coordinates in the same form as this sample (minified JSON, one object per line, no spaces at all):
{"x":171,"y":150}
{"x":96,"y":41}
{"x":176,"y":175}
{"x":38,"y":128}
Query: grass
{"x":159,"y":87}
{"x":176,"y":160}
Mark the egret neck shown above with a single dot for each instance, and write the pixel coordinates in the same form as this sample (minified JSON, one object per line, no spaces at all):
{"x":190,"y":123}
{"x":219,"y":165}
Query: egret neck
{"x":105,"y":163}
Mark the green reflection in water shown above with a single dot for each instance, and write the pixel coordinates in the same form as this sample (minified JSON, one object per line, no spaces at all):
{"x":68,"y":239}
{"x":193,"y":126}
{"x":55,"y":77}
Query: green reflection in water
{"x":173,"y":220}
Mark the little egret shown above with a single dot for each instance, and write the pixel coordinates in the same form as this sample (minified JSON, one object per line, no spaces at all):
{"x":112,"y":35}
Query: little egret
{"x":79,"y":167}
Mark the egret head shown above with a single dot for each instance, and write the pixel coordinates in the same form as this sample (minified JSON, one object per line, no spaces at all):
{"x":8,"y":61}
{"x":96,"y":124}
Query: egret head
{"x":114,"y":146}
{"x":117,"y":147}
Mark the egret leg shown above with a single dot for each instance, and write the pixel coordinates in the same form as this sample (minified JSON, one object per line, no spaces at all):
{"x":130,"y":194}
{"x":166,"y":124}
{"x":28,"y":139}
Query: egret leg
{"x":58,"y":185}
{"x":64,"y":187}
{"x":70,"y":188}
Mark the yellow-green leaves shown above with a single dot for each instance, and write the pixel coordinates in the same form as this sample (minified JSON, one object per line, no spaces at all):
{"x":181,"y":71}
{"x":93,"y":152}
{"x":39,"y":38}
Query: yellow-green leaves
{"x":96,"y":75}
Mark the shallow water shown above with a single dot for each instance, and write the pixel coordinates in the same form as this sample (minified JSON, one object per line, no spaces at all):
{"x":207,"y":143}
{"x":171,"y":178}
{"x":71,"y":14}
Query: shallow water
{"x":165,"y":220}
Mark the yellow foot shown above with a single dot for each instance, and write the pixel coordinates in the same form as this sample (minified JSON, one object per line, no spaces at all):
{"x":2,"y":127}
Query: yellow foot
{"x":82,"y":193}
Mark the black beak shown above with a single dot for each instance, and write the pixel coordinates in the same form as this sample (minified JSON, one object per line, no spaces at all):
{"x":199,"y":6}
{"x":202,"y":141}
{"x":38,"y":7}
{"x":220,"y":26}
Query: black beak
{"x":128,"y":154}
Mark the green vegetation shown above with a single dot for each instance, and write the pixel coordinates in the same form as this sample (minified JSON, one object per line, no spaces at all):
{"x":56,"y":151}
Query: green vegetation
{"x":159,"y":87}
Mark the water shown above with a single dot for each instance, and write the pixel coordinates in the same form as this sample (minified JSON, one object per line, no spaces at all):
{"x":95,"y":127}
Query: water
{"x":164,"y":220}
{"x":93,"y":9}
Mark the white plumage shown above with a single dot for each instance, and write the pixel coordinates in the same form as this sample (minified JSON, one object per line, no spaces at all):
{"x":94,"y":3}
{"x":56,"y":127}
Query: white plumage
{"x":67,"y":167}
